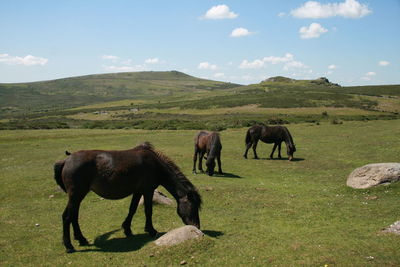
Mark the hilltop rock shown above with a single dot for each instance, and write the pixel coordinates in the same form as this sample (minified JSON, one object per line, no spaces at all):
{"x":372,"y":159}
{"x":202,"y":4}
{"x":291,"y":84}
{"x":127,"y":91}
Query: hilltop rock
{"x":179,"y":235}
{"x":279,"y":79}
{"x":324,"y":81}
{"x":373,"y":175}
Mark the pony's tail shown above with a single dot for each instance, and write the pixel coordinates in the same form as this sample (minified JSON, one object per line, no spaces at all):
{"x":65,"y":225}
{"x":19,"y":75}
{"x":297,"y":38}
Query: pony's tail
{"x":58,"y":166}
{"x":248,"y":137}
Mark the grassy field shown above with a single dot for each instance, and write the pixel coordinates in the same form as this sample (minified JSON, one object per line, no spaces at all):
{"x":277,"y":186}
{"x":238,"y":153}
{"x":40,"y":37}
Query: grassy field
{"x":261,"y":213}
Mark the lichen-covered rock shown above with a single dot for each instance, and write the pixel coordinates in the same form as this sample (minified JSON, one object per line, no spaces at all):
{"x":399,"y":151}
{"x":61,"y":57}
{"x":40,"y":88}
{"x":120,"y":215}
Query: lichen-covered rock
{"x":373,"y":175}
{"x":179,"y":235}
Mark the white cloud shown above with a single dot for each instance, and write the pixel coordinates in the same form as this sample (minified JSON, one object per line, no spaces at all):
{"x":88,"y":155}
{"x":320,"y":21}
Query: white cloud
{"x":332,"y":67}
{"x":124,"y":68}
{"x":256,"y":64}
{"x":220,"y":12}
{"x":219,"y":75}
{"x":281,"y":14}
{"x":207,"y":66}
{"x":109,"y":57}
{"x":287,"y":60}
{"x":316,"y":10}
{"x":313,"y":31}
{"x":152,"y":61}
{"x":294,"y":64}
{"x":240,"y":32}
{"x":28,"y":60}
{"x":275,"y":60}
{"x":371,"y":73}
{"x":384,"y":63}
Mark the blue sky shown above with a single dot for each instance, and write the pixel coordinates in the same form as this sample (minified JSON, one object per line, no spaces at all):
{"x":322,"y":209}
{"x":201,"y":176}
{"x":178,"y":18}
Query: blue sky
{"x":351,"y":42}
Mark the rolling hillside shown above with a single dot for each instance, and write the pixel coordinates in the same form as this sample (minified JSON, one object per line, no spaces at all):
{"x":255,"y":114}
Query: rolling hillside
{"x":78,"y":91}
{"x":174,"y":100}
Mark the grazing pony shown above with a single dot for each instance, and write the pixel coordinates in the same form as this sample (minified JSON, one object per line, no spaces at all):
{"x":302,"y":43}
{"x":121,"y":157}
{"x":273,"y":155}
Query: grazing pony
{"x":210,"y":143}
{"x":118,"y":174}
{"x":269,"y":135}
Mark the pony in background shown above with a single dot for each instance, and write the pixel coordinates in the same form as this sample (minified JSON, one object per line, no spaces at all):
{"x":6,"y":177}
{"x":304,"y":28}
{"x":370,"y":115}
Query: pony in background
{"x":208,"y":143}
{"x":270,"y":135}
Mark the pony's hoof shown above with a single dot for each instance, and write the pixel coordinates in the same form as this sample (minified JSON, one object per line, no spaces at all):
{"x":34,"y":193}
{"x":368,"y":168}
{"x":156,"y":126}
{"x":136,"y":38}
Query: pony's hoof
{"x":83,"y":242}
{"x":128,"y":233}
{"x":153,"y":233}
{"x":70,"y":250}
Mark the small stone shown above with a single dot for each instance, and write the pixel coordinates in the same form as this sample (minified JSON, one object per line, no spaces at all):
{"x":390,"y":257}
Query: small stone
{"x":183,"y":262}
{"x":51,"y":196}
{"x":37,"y":225}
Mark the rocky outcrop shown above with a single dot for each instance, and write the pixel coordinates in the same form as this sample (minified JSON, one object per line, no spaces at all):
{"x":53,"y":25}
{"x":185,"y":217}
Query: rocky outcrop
{"x":373,"y":175}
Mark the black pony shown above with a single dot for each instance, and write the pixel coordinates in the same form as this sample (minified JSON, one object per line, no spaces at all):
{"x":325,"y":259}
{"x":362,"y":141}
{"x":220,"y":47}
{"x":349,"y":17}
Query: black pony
{"x":269,"y":135}
{"x":118,"y":174}
{"x":210,"y":143}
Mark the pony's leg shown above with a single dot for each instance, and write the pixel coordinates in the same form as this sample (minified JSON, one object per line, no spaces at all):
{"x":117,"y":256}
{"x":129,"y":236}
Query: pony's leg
{"x":219,"y":164}
{"x":126,"y":225}
{"x":279,"y":150}
{"x":195,"y":159}
{"x":254,"y":149}
{"x":273,"y":151}
{"x":66,"y":218}
{"x":77,"y":230}
{"x":148,"y":210}
{"x":248,"y":145}
{"x":201,"y":155}
{"x":70,"y":215}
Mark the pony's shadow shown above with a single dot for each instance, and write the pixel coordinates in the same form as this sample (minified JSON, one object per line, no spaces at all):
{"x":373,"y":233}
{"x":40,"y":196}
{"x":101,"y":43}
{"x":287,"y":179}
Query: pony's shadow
{"x":212,"y":233}
{"x":227,"y":175}
{"x":282,"y":159}
{"x":119,"y":244}
{"x":103,"y":242}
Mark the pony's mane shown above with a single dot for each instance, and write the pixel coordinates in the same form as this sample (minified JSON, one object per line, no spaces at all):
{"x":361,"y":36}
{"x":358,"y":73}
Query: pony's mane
{"x":179,"y":177}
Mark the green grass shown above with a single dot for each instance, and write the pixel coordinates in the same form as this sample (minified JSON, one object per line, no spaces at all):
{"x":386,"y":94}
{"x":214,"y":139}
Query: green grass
{"x":277,"y":213}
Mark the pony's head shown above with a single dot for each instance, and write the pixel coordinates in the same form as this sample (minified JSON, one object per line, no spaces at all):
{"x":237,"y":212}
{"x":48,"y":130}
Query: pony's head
{"x":210,"y":163}
{"x":290,"y":150}
{"x":188,"y":208}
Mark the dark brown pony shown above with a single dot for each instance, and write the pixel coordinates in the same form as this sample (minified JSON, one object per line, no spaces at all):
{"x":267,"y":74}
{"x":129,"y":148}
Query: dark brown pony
{"x":210,"y":143}
{"x":269,"y":135}
{"x":118,"y":174}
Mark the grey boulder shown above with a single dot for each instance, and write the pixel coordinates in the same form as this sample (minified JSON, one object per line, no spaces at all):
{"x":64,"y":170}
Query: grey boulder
{"x":374,"y":174}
